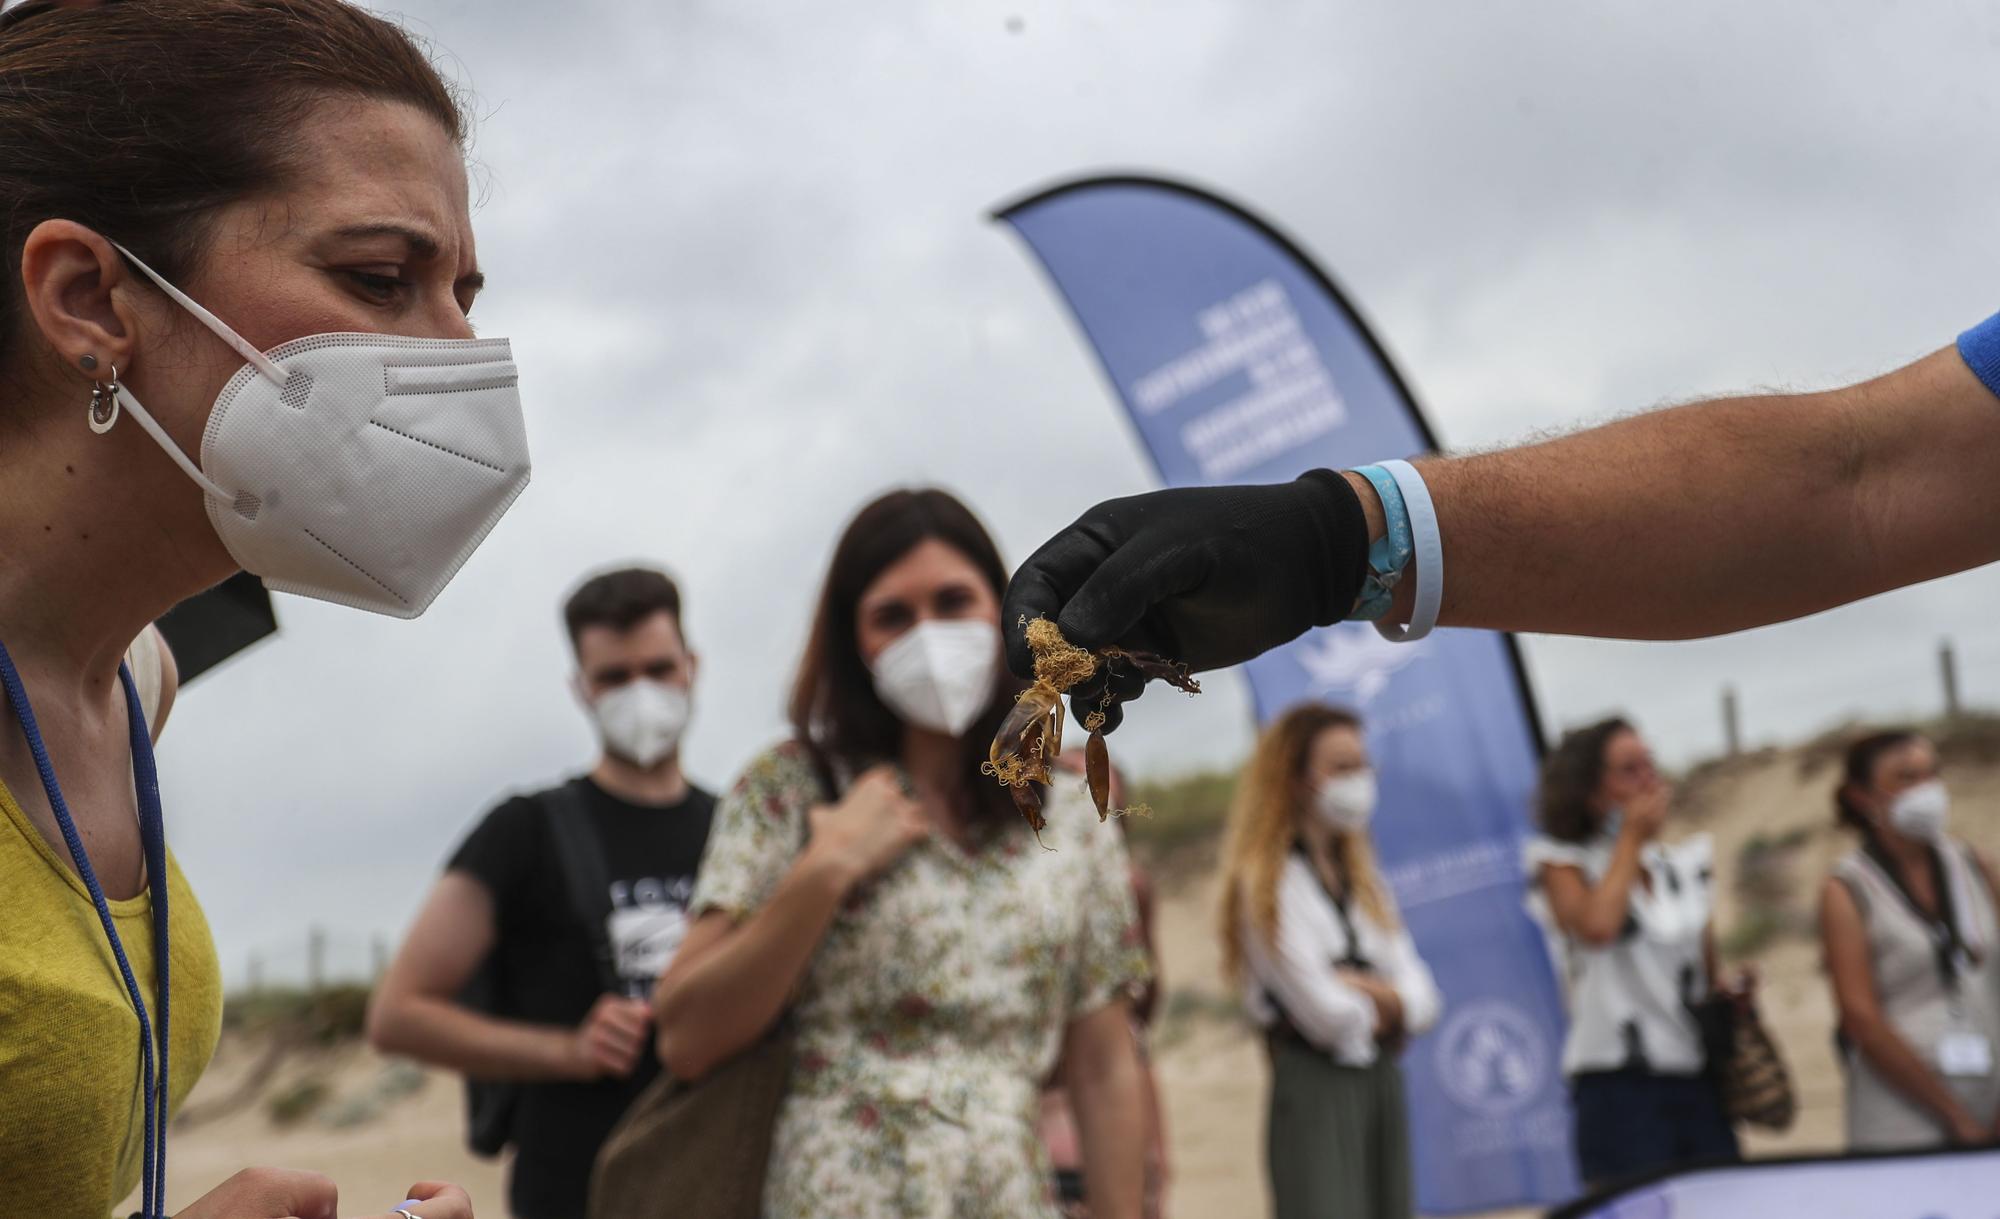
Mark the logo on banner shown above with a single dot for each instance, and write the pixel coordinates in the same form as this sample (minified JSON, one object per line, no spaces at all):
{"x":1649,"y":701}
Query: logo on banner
{"x":1353,"y":658}
{"x":1490,"y":1057}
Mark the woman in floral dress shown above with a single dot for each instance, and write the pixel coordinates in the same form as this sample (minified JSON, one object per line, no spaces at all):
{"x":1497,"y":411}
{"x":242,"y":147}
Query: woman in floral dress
{"x":936,"y":961}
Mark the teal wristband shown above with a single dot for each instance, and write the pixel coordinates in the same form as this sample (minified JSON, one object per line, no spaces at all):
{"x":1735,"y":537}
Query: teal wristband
{"x":1428,"y":598}
{"x":1390,"y":554}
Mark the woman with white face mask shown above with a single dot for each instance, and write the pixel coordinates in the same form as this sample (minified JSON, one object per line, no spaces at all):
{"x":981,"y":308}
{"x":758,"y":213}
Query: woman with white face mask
{"x":238,"y":259}
{"x":1311,"y":932}
{"x":935,"y":960}
{"x":1908,"y":925}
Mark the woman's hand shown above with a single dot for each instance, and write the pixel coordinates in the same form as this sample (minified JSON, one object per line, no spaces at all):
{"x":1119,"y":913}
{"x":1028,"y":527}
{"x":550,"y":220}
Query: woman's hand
{"x":1388,"y":1004}
{"x":1967,"y":1132}
{"x":871,"y":828}
{"x":1741,"y":987}
{"x":280,"y":1193}
{"x":1647,"y":812}
{"x":267,"y":1193}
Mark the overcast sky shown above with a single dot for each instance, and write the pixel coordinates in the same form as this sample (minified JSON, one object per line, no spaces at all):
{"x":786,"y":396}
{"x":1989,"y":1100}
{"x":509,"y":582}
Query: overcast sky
{"x":741,"y":249}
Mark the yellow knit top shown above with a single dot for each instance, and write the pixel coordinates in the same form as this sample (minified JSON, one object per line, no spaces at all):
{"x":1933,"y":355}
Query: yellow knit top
{"x":71,"y":1105}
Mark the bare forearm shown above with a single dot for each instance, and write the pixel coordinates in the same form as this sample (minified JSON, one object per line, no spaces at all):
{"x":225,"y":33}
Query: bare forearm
{"x":1156,"y":1113}
{"x":442,"y":1033}
{"x":1728,"y":514}
{"x":1611,"y":899}
{"x":1595,"y":913}
{"x":1902,"y":1068}
{"x":725,"y":1000}
{"x":1108,"y":1093}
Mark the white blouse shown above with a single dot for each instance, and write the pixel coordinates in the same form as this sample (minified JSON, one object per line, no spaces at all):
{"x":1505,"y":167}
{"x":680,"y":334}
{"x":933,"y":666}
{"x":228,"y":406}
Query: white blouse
{"x":1298,"y":973}
{"x":1628,"y":1000}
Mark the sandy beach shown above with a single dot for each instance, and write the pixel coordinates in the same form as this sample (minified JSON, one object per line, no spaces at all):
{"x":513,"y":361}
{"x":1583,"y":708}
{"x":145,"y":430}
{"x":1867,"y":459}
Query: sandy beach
{"x":375,"y":1126}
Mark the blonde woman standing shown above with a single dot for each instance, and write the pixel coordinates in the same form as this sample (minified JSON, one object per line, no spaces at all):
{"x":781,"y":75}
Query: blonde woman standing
{"x":1310,"y":932}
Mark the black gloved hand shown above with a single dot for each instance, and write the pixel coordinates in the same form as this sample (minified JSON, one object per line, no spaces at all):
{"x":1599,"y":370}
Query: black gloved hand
{"x":1209,"y":576}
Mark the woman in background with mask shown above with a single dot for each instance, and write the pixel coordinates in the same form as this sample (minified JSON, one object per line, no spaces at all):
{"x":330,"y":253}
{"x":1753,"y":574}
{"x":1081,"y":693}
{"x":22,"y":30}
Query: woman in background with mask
{"x":237,"y":259}
{"x":1629,"y":919}
{"x":1311,"y":932}
{"x":935,"y":960}
{"x":1907,"y":922}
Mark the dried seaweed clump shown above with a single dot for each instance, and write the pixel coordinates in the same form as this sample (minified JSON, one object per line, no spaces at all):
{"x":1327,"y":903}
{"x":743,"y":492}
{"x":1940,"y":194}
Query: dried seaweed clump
{"x":1031,"y":735}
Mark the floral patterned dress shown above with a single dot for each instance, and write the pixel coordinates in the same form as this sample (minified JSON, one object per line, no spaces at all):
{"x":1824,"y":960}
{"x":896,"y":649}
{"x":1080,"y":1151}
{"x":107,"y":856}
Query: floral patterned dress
{"x":935,"y":1007}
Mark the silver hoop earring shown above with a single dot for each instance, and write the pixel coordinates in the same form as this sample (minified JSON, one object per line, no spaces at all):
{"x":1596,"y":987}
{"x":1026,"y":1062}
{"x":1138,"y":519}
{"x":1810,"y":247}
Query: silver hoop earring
{"x":104,"y":404}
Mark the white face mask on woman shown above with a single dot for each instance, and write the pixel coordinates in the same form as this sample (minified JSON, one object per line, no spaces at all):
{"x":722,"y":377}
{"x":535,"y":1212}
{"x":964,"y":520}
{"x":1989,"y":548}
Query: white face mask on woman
{"x":362,"y":469}
{"x":1347,"y":802}
{"x":1921,"y":811}
{"x":939,"y":674}
{"x":642,"y":721}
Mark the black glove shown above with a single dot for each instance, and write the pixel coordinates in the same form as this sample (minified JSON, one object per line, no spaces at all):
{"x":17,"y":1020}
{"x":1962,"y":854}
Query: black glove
{"x":1209,"y":576}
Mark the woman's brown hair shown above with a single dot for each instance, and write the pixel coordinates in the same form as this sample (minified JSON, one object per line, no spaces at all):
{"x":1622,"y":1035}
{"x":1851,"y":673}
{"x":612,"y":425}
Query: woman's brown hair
{"x":834,"y":706}
{"x":1570,"y":776}
{"x":140,"y":119}
{"x":1858,"y":770}
{"x":1263,"y":827}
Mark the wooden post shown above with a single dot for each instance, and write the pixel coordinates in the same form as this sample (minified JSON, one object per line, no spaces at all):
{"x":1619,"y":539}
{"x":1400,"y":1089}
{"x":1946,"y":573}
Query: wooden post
{"x":1948,"y":667}
{"x":1732,"y":735}
{"x":315,"y":961}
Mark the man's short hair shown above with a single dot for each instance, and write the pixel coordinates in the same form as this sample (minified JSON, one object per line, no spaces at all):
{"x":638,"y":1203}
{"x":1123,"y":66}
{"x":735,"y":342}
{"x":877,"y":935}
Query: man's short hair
{"x":622,"y":600}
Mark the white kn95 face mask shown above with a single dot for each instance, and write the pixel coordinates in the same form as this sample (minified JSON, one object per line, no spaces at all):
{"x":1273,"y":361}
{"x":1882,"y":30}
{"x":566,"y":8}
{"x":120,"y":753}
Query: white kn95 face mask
{"x":362,"y":469}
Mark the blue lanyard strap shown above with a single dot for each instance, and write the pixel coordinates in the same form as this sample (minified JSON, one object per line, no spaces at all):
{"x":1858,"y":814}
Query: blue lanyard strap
{"x":153,"y":839}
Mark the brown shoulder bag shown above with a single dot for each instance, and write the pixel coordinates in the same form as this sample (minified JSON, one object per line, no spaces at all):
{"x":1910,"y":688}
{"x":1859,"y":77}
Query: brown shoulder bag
{"x":700,"y":1150}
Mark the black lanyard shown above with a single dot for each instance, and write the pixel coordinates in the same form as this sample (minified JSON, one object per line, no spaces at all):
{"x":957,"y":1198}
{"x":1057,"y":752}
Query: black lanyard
{"x":153,"y":840}
{"x":1947,"y":938}
{"x":1353,"y":958}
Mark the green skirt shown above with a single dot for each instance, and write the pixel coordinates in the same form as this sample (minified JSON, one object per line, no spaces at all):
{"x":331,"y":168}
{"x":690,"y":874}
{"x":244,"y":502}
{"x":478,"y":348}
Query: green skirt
{"x":1338,"y":1138}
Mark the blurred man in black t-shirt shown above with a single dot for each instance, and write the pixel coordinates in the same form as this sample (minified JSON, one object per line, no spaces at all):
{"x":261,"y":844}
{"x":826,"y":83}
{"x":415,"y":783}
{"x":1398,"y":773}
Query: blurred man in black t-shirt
{"x":569,"y":1015}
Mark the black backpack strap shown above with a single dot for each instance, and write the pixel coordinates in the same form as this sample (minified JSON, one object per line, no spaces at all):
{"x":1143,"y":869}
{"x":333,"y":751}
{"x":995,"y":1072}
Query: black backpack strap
{"x":582,"y":857}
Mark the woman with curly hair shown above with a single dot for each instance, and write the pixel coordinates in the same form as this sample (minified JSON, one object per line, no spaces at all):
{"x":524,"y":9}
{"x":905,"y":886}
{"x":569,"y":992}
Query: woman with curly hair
{"x":1630,"y":915}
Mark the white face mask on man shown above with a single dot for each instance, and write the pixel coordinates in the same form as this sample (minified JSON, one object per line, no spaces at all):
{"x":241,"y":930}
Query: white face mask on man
{"x":362,"y":469}
{"x":1347,"y":802}
{"x":641,"y":722}
{"x":939,"y":674}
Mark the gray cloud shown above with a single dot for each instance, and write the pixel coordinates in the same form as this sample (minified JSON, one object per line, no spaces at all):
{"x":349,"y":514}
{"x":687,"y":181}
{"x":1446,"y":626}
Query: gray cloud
{"x":741,"y":250}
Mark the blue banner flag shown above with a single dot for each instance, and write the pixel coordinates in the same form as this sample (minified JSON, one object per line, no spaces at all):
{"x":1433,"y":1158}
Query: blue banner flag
{"x":1240,"y":361}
